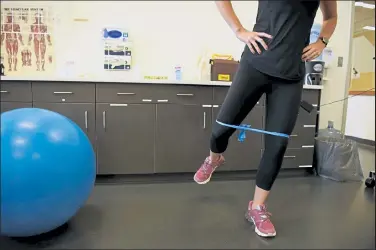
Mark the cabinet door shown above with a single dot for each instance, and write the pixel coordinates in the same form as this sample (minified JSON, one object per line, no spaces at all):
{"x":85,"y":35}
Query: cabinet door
{"x":7,"y":106}
{"x":182,"y":137}
{"x":125,"y":143}
{"x":244,"y":155}
{"x":83,"y":114}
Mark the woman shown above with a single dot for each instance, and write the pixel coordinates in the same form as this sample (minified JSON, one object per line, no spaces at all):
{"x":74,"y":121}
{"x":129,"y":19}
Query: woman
{"x":272,"y":63}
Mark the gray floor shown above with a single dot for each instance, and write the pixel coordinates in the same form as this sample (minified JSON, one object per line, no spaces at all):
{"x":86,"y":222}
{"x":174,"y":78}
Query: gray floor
{"x":309,"y":213}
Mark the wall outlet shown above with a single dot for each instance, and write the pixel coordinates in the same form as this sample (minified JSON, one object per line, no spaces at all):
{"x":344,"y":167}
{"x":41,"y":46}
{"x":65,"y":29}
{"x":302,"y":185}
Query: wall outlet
{"x":340,"y":62}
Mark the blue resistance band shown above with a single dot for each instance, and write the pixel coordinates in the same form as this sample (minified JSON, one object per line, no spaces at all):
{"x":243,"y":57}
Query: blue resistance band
{"x":245,"y":127}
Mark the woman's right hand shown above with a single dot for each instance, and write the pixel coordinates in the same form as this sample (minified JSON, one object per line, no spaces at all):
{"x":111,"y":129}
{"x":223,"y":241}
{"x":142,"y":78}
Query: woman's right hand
{"x":253,"y":39}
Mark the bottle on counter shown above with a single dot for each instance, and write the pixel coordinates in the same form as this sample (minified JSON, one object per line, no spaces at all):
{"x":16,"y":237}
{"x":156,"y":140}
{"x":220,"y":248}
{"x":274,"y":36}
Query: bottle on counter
{"x":178,"y":73}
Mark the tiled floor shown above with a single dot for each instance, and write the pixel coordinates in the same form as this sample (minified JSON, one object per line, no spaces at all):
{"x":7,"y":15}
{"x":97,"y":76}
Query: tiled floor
{"x":309,"y":213}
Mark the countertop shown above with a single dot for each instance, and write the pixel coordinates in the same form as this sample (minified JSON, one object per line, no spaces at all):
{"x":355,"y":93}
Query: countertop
{"x":82,"y":79}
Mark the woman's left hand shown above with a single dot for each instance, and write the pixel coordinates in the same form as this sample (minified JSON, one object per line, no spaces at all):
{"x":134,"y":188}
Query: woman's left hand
{"x":313,"y":50}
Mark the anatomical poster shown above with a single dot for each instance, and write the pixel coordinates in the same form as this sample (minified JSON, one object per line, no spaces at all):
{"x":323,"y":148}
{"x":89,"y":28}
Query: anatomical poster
{"x":27,"y":41}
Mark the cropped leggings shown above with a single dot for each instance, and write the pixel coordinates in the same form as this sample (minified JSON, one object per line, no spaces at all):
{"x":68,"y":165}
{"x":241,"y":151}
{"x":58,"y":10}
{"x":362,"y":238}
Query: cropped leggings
{"x":283,"y":99}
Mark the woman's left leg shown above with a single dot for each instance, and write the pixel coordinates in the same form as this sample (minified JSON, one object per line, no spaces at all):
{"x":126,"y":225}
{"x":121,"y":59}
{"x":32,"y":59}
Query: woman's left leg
{"x":282,"y":106}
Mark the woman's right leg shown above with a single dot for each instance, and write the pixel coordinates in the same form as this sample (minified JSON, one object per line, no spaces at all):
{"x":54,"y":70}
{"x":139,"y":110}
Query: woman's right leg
{"x":248,"y":86}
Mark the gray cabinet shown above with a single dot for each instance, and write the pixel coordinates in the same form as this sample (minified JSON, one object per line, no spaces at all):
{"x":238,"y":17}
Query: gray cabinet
{"x":244,"y":155}
{"x":303,"y":135}
{"x":298,"y":158}
{"x":16,"y":91}
{"x":7,"y":106}
{"x":140,"y":128}
{"x":182,"y":137}
{"x":74,"y":92}
{"x":83,"y":114}
{"x":125,"y":138}
{"x":126,"y":93}
{"x":15,"y":95}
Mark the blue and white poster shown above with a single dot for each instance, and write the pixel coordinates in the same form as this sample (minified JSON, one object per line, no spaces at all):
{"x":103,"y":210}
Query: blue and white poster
{"x":117,"y":49}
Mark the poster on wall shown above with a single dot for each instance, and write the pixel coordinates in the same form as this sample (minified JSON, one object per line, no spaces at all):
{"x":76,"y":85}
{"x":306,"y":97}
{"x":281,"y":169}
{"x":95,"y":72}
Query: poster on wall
{"x":117,"y":50}
{"x":27,"y":41}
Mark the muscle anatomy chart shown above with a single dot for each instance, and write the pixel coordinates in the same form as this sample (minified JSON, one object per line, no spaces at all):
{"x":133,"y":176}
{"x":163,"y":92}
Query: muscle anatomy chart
{"x":27,"y":41}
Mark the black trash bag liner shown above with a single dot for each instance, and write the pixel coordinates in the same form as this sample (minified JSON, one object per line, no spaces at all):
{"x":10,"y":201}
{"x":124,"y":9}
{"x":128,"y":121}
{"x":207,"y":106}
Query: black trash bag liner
{"x":338,"y":159}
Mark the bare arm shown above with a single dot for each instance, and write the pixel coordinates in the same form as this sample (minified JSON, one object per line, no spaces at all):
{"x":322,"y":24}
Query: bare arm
{"x":252,"y":39}
{"x":228,"y":13}
{"x":329,"y":13}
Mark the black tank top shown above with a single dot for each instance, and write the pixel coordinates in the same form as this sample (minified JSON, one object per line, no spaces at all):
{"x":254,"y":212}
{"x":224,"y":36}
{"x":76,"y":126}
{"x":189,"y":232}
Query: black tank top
{"x":289,"y":22}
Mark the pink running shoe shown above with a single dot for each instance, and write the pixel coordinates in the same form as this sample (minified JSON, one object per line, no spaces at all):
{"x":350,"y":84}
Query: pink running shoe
{"x":206,"y":170}
{"x":261,"y":219}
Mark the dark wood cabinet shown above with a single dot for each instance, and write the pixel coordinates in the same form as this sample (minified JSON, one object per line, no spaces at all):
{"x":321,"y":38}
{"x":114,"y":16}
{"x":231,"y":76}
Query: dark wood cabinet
{"x":139,"y":128}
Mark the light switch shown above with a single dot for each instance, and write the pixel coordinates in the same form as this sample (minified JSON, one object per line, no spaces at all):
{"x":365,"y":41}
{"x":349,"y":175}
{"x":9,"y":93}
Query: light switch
{"x":340,"y":61}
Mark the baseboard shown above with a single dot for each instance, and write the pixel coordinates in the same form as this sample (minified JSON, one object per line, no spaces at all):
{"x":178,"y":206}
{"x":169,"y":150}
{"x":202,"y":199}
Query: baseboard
{"x":361,"y":140}
{"x":188,"y":177}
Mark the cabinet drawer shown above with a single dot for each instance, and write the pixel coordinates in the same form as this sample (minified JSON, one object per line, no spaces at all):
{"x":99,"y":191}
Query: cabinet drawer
{"x":298,"y":158}
{"x":304,"y":131}
{"x":305,"y":118}
{"x":7,"y":106}
{"x":184,"y":94}
{"x":311,"y":96}
{"x":302,"y":138}
{"x":126,"y":93}
{"x":219,"y":95}
{"x":15,"y":91}
{"x":63,"y":92}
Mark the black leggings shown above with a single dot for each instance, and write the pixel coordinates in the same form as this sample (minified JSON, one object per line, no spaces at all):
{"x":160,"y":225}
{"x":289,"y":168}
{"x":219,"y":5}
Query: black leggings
{"x":282,"y":106}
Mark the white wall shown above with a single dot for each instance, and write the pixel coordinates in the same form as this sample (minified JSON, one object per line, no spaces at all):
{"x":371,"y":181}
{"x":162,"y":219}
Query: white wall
{"x":336,"y":87}
{"x":360,"y":118}
{"x":363,"y":52}
{"x":166,"y":33}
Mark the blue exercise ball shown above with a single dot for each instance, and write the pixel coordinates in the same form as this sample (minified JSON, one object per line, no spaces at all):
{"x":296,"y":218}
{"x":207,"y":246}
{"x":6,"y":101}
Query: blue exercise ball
{"x":47,"y":171}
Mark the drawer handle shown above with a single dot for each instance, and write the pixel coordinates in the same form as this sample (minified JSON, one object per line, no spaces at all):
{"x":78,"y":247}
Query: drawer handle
{"x":293,"y":135}
{"x":204,"y":120}
{"x":309,"y":126}
{"x":126,"y":93}
{"x":4,"y":91}
{"x":314,"y":105}
{"x":206,"y":106}
{"x":61,"y":93}
{"x":289,"y":156}
{"x":147,"y":100}
{"x":215,"y":106}
{"x":86,"y":126}
{"x":305,"y":166}
{"x":185,"y":94}
{"x":118,"y":105}
{"x":162,"y":101}
{"x":307,"y":146}
{"x":104,"y":119}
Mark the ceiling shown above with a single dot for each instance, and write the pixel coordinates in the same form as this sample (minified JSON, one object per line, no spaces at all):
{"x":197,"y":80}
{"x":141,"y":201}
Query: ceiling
{"x":363,"y":17}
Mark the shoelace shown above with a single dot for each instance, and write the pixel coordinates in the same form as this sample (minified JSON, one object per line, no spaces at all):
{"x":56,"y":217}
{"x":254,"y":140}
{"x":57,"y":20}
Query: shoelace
{"x":264,"y":215}
{"x":206,"y":166}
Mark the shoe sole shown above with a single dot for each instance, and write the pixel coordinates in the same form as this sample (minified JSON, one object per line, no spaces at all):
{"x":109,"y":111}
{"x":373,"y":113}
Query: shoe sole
{"x":208,"y":179}
{"x":202,"y":182}
{"x":258,"y":232}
